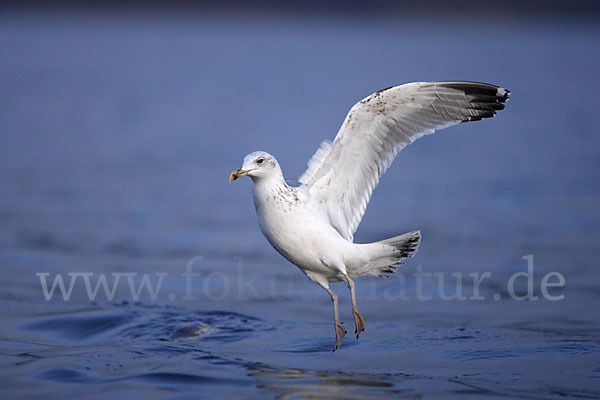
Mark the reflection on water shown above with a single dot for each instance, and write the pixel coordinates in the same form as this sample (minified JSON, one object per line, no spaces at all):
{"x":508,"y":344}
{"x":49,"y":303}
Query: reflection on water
{"x":289,"y":383}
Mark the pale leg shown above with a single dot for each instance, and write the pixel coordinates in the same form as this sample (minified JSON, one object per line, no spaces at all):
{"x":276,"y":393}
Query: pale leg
{"x":340,"y":331}
{"x":359,"y":321}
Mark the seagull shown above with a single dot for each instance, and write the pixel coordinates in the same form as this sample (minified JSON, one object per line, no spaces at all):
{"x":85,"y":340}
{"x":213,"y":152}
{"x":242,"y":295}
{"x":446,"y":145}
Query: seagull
{"x":312,"y":224}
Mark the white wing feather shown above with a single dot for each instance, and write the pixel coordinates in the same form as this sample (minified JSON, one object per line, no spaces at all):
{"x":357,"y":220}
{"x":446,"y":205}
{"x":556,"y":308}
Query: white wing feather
{"x":342,"y":175}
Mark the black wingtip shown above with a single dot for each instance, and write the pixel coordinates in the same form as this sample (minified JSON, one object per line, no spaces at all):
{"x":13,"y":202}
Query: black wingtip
{"x":485,"y":98}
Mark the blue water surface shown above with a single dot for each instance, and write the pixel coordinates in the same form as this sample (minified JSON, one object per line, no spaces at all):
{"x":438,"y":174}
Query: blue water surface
{"x":118,"y":132}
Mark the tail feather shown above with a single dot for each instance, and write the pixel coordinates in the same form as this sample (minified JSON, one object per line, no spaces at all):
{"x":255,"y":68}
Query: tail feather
{"x":387,"y":254}
{"x":405,"y":245}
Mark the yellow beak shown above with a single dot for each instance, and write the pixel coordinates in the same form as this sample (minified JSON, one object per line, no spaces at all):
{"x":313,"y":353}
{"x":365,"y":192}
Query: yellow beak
{"x":238,"y":173}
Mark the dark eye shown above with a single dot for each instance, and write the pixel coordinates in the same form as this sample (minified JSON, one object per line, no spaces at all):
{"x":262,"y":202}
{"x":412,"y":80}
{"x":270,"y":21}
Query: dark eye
{"x":260,"y":160}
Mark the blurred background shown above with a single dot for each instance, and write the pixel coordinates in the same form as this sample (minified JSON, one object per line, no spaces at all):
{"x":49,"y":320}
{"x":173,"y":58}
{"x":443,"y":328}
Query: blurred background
{"x":119,"y":125}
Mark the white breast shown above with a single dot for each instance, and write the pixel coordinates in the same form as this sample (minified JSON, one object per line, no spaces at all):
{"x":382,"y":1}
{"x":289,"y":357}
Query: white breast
{"x":292,"y":229}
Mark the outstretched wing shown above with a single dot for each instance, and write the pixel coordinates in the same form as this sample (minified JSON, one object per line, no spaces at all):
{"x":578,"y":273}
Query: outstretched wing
{"x":342,"y":174}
